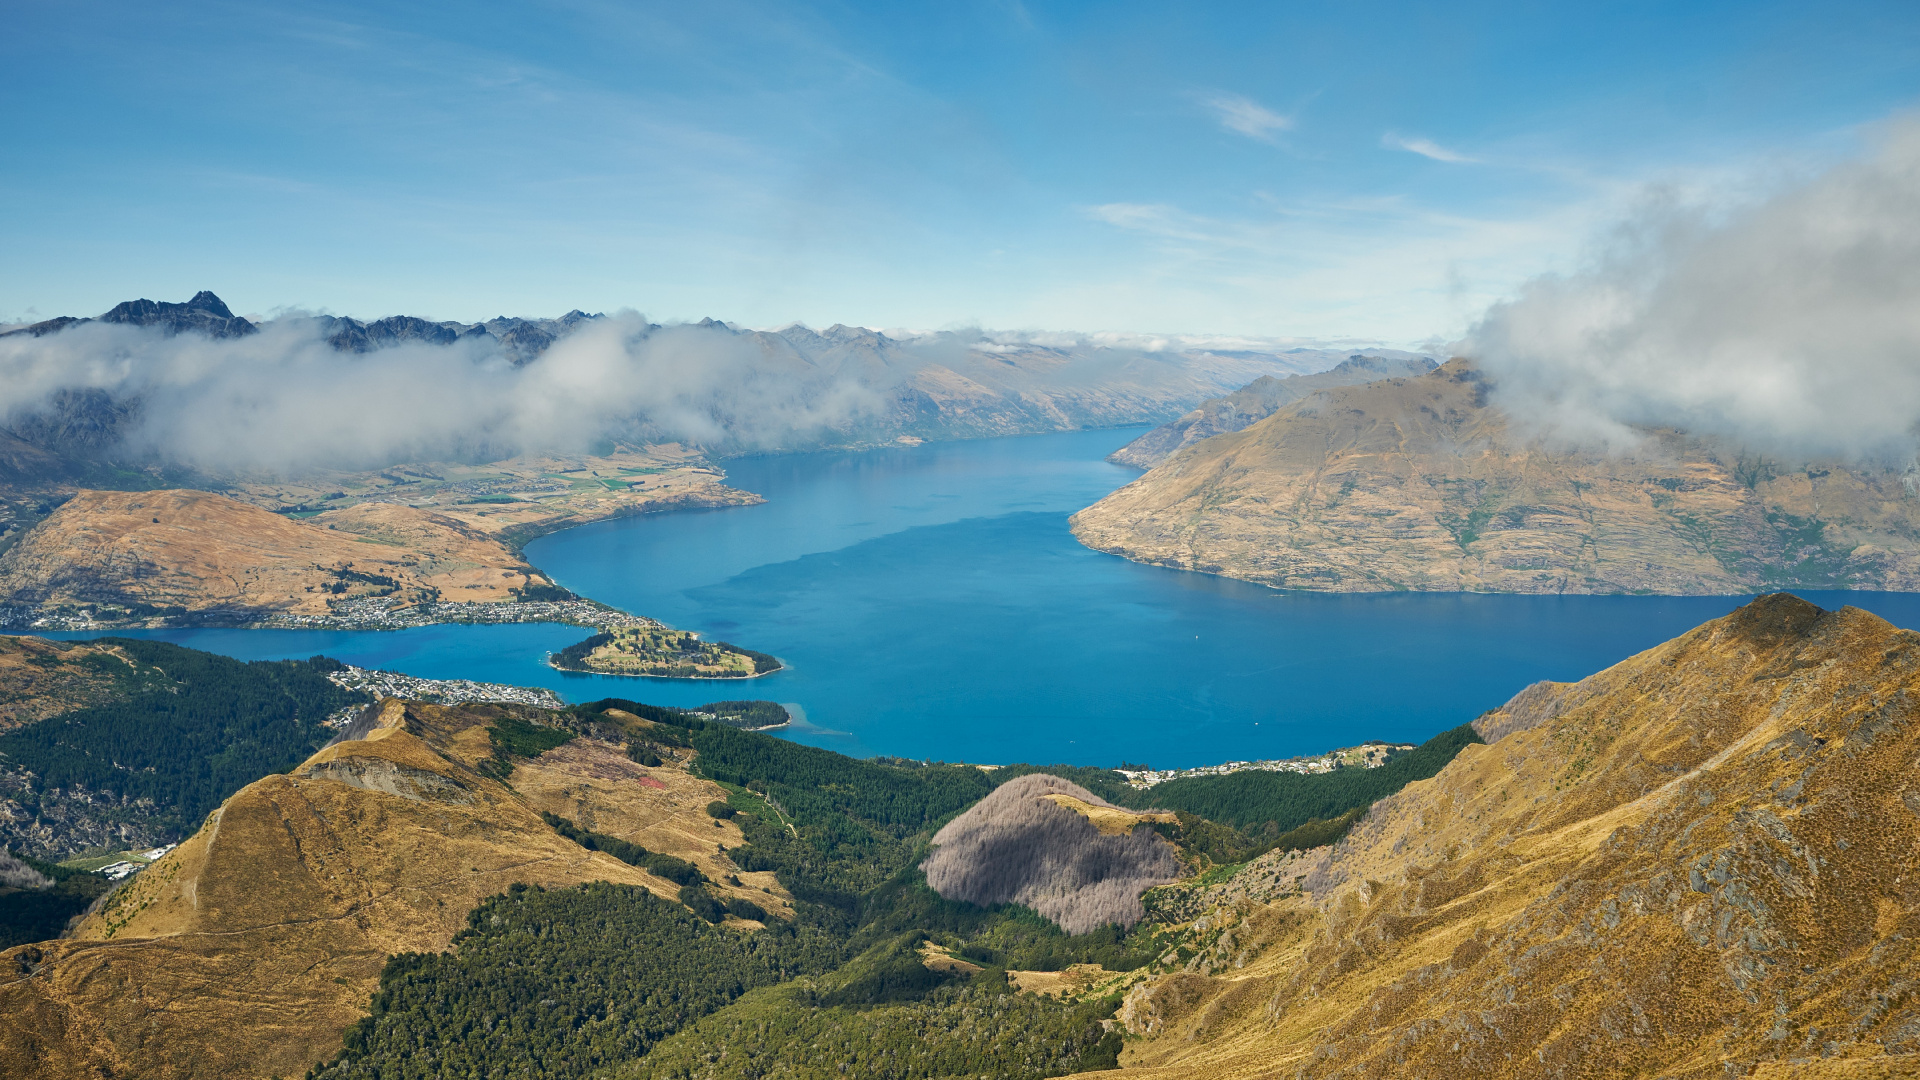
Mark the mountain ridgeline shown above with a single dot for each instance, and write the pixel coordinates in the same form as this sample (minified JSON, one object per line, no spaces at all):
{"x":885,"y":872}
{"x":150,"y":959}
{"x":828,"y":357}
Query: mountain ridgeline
{"x":794,"y":388}
{"x":1258,"y":400}
{"x":1424,"y":483}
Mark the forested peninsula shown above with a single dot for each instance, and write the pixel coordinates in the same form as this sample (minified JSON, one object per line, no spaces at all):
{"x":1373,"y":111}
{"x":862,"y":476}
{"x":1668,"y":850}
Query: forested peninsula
{"x":661,"y":653}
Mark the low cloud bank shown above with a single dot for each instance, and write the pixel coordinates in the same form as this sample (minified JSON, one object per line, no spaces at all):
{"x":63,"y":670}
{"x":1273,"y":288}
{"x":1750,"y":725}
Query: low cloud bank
{"x":283,"y":399}
{"x":1791,"y":325}
{"x":290,"y":397}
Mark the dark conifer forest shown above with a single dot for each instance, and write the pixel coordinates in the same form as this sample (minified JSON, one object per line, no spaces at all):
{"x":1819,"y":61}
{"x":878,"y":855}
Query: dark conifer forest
{"x":193,"y":729}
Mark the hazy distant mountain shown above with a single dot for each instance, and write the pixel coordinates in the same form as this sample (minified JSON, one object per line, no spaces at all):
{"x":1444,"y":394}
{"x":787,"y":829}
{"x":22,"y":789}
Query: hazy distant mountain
{"x":204,"y":314}
{"x":1421,"y":484}
{"x":521,"y":339}
{"x":713,"y":385}
{"x":1258,"y":400}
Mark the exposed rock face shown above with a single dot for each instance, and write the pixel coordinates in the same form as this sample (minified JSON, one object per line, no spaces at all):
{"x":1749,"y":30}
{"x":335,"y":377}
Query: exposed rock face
{"x":204,"y":314}
{"x":1697,"y":863}
{"x":247,"y":951}
{"x":1256,"y":401}
{"x":1021,"y":846}
{"x":1417,"y":483}
{"x":199,"y":555}
{"x":521,"y":339}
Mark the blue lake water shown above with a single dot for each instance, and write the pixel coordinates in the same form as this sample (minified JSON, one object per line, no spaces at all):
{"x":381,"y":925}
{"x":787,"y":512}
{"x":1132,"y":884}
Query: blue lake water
{"x":930,"y":603}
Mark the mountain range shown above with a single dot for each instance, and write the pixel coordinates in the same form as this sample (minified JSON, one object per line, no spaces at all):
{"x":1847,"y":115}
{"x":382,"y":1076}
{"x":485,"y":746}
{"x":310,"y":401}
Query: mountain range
{"x":718,"y":387}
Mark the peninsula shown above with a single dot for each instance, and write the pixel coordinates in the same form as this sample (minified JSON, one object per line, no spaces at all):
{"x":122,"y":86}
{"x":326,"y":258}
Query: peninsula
{"x":661,"y":653}
{"x":1424,"y":484}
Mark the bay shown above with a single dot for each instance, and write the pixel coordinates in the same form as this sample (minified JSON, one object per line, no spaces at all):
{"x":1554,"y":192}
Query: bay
{"x":931,"y":603}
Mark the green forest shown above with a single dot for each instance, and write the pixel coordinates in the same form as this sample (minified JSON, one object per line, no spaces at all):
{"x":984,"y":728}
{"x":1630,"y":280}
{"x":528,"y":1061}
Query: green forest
{"x":41,"y":914}
{"x":962,"y":1028}
{"x":194,"y":729}
{"x":560,"y":982}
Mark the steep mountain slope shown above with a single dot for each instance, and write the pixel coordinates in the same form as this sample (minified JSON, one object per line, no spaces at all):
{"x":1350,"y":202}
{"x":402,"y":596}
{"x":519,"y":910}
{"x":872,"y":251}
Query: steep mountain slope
{"x":251,"y":947}
{"x":1256,"y":401}
{"x":197,"y":555}
{"x":1418,"y":483}
{"x":1699,"y":862}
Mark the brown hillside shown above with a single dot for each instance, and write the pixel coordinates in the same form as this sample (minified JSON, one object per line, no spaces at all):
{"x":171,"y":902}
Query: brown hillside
{"x":41,"y":678}
{"x":1254,"y":402}
{"x":216,"y":557}
{"x":1700,"y":862}
{"x":250,"y":948}
{"x":1418,"y":483}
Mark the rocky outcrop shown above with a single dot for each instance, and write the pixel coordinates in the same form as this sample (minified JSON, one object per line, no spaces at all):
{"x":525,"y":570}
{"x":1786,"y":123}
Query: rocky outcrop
{"x":1698,"y":863}
{"x":1421,"y":484}
{"x":1056,"y":848}
{"x":204,"y":314}
{"x":1256,"y":401}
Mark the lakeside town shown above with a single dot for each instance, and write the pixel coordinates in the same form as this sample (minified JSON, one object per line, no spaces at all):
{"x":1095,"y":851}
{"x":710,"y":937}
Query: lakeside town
{"x":386,"y":684}
{"x":356,"y":613}
{"x":1368,"y":755}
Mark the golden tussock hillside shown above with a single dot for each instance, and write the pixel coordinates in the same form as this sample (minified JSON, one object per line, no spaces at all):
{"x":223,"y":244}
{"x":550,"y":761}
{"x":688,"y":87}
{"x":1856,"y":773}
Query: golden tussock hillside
{"x":1418,"y":483}
{"x":203,"y":555}
{"x":1701,"y":862}
{"x":249,"y":949}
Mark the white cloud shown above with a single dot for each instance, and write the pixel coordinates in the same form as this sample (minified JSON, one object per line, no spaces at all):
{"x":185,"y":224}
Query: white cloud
{"x":1247,"y":117}
{"x":1426,"y":148}
{"x":1790,"y":322}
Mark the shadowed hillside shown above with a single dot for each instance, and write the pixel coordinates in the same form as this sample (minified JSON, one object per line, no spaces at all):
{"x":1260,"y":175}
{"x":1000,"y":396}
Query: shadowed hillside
{"x":1018,"y":846}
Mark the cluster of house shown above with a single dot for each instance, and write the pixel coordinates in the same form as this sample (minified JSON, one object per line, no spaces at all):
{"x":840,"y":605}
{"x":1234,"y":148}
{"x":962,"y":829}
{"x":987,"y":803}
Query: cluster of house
{"x":137,"y":861}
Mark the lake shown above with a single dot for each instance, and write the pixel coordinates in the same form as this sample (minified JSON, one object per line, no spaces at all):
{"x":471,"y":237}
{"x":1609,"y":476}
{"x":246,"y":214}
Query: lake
{"x":930,"y":603}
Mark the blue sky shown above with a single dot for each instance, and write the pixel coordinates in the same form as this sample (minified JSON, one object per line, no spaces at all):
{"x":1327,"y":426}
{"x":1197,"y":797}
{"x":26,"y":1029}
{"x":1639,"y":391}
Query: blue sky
{"x":1333,"y":171}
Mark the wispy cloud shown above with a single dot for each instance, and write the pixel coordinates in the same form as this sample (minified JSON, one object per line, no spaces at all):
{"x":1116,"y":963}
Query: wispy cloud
{"x":1426,"y":148}
{"x":1247,"y":117}
{"x":1155,"y":219}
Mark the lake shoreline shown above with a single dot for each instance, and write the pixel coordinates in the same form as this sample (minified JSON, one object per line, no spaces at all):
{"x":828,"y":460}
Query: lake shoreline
{"x":679,"y":678}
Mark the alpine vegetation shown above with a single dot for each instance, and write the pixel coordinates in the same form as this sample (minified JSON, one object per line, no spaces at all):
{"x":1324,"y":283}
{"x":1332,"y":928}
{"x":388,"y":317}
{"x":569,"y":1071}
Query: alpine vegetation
{"x":1016,"y":846}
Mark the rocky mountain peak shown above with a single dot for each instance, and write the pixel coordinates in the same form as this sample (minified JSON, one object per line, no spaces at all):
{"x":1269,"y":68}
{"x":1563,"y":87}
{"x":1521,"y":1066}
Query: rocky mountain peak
{"x":205,"y":314}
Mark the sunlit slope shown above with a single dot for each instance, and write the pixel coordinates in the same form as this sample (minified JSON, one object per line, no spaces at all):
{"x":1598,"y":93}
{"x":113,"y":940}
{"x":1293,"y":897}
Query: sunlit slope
{"x":1695,"y":863}
{"x":199,"y":555}
{"x":250,"y":948}
{"x":1256,"y":401}
{"x":1419,"y":483}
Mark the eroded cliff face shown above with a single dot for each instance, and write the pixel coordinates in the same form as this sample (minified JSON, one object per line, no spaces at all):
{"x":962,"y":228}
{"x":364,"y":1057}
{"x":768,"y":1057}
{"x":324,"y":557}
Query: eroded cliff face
{"x":247,"y":950}
{"x":1700,"y":862}
{"x":1417,"y":483}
